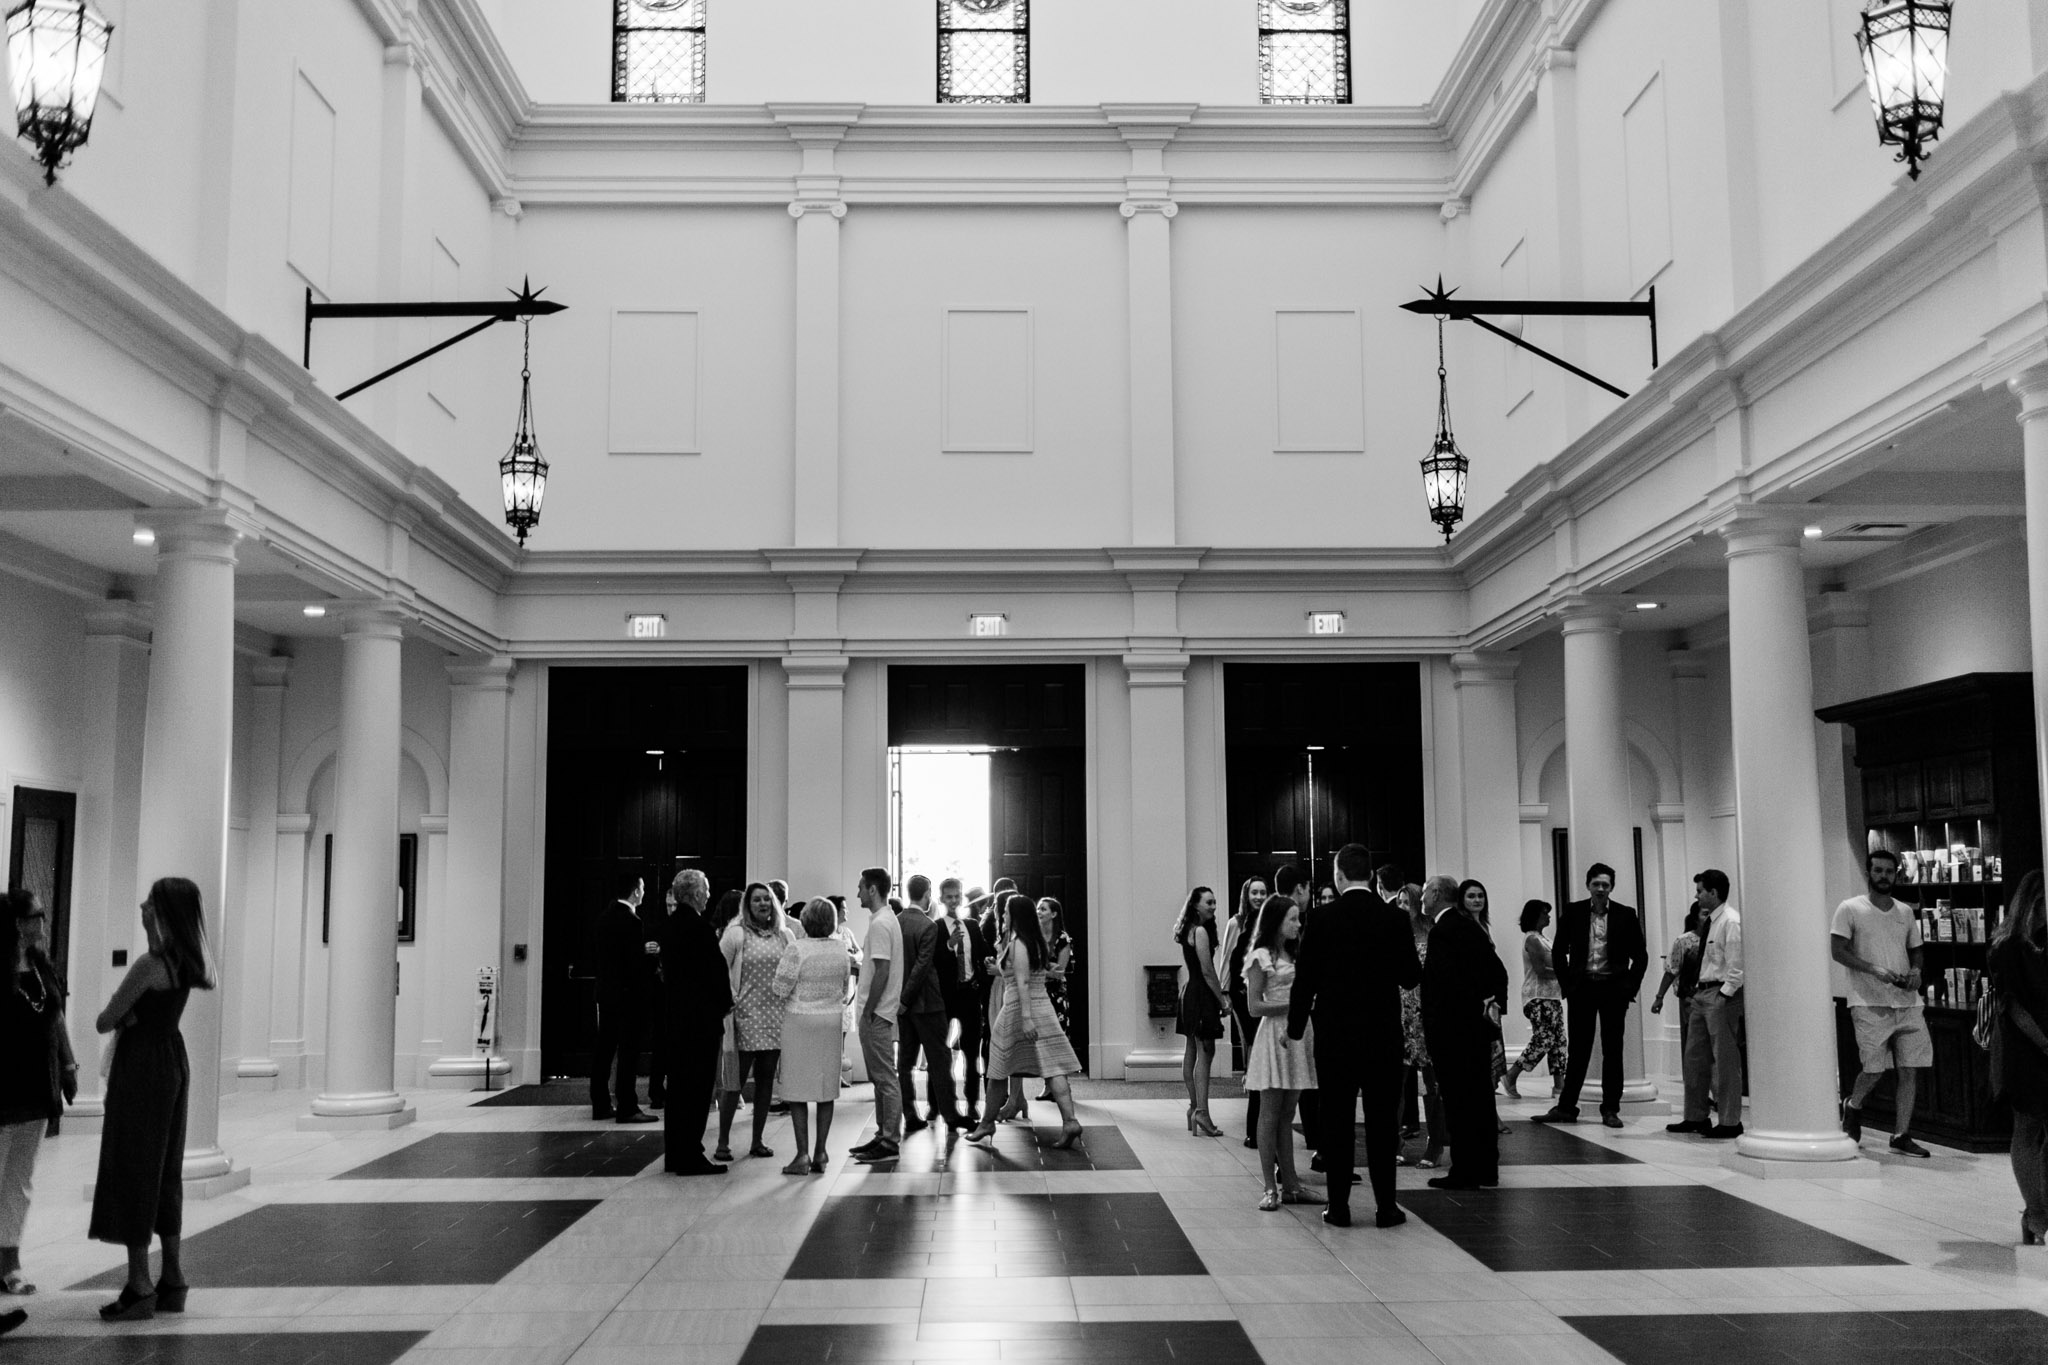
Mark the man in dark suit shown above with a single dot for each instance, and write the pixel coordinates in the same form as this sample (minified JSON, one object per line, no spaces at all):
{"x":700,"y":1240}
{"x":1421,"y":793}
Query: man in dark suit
{"x":1356,"y":955}
{"x":624,"y":947}
{"x":957,"y":963}
{"x":1600,"y":957}
{"x":698,"y":996}
{"x":1464,"y":991}
{"x":921,"y":1014}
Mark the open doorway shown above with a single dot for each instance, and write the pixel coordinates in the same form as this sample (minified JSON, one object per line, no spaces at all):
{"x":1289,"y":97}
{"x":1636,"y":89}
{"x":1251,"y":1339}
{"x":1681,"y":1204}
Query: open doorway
{"x":938,"y":812}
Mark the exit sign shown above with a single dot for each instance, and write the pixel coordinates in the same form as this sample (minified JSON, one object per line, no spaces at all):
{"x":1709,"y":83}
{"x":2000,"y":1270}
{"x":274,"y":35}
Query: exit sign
{"x":1326,"y":623}
{"x":650,"y":625}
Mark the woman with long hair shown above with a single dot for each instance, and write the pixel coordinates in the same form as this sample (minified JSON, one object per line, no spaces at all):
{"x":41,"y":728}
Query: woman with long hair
{"x":1279,"y":1068}
{"x":1027,"y":1039}
{"x":1202,"y":1003}
{"x":1059,"y":946}
{"x":753,"y":946}
{"x":37,"y":1076}
{"x":1542,"y":1003}
{"x":2017,"y":961}
{"x":140,"y":1190}
{"x":1237,"y":940}
{"x":1472,"y":899}
{"x":811,"y":979}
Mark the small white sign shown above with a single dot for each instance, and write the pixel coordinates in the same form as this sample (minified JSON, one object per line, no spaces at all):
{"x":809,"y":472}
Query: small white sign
{"x":1326,"y":623}
{"x":649,"y":625}
{"x":984,"y":624}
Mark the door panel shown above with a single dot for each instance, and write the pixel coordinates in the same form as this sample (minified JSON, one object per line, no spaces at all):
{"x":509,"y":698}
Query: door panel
{"x":1038,"y":839}
{"x":45,"y":824}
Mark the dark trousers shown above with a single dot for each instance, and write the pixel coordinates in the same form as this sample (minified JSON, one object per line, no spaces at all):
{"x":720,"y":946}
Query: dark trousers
{"x":618,"y":1042}
{"x":1465,"y":1086}
{"x":1345,"y":1079}
{"x":1607,"y":1003}
{"x":969,"y":1012}
{"x":1247,"y":1031}
{"x":693,"y":1071}
{"x":657,"y":1062}
{"x":924,"y":1032}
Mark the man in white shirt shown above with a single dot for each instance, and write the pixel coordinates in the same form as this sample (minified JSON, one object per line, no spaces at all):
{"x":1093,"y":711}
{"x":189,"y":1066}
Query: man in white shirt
{"x":881,"y":993}
{"x":1878,"y":940}
{"x":1713,"y":1052}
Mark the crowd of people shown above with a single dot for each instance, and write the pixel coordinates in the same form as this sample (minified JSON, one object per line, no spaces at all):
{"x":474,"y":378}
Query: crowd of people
{"x":752,"y":1000}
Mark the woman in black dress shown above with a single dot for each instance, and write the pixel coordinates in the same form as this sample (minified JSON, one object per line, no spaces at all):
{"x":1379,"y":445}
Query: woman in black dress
{"x":142,"y":1143}
{"x":1201,"y":1005}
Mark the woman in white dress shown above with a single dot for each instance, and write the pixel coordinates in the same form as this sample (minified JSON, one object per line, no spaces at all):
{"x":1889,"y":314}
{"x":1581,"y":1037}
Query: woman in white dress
{"x":1279,"y":1068}
{"x":753,"y":946}
{"x":1027,"y":1039}
{"x":812,"y":979}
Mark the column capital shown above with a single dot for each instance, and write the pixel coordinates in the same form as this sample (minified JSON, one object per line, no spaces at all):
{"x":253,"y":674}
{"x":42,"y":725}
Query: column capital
{"x":815,"y":672}
{"x":204,"y":533}
{"x":1749,"y":530}
{"x":2030,"y":386}
{"x":491,"y":674}
{"x":271,"y":671}
{"x":126,"y":622}
{"x":1484,"y":668}
{"x":1533,"y":812}
{"x":1686,"y":664}
{"x":1156,"y":670}
{"x":294,"y":822}
{"x":1586,"y":615}
{"x":373,"y":621}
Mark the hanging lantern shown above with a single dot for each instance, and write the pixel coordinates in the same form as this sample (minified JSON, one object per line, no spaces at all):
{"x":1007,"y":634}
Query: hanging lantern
{"x":56,"y":54}
{"x":1905,"y":62}
{"x":1443,"y":472}
{"x":522,"y":471}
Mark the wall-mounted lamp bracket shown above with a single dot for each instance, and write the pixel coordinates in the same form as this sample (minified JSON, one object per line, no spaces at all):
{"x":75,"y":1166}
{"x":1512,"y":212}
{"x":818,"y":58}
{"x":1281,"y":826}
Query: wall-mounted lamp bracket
{"x":1438,"y":302}
{"x":524,"y":303}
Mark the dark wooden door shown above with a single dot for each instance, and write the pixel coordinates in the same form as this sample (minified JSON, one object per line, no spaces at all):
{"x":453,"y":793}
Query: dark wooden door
{"x":647,"y":773}
{"x":45,"y":824}
{"x":1038,"y":837}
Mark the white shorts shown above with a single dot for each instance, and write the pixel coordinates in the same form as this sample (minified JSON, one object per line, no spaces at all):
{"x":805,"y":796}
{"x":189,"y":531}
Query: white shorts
{"x":1889,"y":1034}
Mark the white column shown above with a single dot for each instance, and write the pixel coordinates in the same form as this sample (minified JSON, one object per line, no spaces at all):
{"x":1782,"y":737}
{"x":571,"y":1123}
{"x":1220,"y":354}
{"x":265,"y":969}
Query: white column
{"x":255,"y":949}
{"x":1159,"y":848}
{"x":472,"y":911}
{"x":818,"y":209}
{"x":115,"y":694}
{"x":188,"y":735}
{"x":817,"y":763}
{"x":1147,"y":209}
{"x":1484,"y":684}
{"x":1786,"y":997}
{"x":1840,"y":635}
{"x":2031,"y":387}
{"x":1596,"y":767}
{"x":362,"y":935}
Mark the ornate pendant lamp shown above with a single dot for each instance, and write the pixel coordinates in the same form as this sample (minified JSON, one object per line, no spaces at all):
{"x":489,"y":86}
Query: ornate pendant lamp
{"x":523,"y":472}
{"x":1905,"y":62}
{"x":1443,"y":472}
{"x":56,"y":54}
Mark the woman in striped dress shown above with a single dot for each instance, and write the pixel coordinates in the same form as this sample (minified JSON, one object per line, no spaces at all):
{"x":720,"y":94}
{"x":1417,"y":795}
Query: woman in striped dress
{"x":1027,"y":1039}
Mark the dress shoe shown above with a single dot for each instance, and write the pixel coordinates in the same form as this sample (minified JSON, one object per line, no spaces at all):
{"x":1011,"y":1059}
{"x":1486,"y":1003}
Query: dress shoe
{"x":1724,"y":1130}
{"x":880,"y":1151}
{"x":1905,"y":1146}
{"x":1688,"y":1126}
{"x":637,"y":1116}
{"x":697,"y":1167}
{"x":1338,"y":1215}
{"x":12,"y":1319}
{"x":1852,"y":1121}
{"x":911,"y":1125}
{"x":1611,"y":1120}
{"x":1555,"y":1116}
{"x":1389,"y":1218}
{"x":1451,"y":1182}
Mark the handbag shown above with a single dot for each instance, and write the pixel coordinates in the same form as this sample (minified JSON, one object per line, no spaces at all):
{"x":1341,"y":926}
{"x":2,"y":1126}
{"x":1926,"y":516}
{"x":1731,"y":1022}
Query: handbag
{"x":1990,"y":1005}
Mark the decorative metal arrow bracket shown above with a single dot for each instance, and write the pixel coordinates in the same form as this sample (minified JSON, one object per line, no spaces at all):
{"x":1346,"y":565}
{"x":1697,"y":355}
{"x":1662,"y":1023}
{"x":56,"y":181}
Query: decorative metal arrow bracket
{"x":1439,"y":303}
{"x":525,"y":302}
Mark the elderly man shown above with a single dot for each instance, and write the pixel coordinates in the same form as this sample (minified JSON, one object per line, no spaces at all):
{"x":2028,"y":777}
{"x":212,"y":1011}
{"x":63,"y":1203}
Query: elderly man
{"x":698,"y":996}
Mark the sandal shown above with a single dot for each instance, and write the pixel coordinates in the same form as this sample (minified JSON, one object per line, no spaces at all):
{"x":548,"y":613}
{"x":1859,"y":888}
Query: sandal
{"x":1301,"y":1195}
{"x":1269,"y":1202}
{"x":800,"y":1166}
{"x":817,"y":1165}
{"x":724,"y":1153}
{"x":170,"y":1298}
{"x":1431,"y":1158}
{"x":13,"y":1283}
{"x":760,"y":1150}
{"x":129,"y":1307}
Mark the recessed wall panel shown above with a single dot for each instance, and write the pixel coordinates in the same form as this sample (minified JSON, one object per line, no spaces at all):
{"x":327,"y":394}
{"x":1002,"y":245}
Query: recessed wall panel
{"x":1319,"y":380}
{"x":654,"y":382}
{"x":987,"y":380}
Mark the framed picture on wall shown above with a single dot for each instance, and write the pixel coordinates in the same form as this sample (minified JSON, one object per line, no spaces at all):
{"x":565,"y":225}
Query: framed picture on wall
{"x":408,"y":885}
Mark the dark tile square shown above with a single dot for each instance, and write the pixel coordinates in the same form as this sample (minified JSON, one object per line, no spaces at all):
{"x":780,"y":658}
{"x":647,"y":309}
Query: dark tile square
{"x":370,"y":1244}
{"x":516,"y":1156}
{"x":1971,"y":1336}
{"x":226,"y":1348}
{"x":572,"y":1092}
{"x":1102,"y":1343}
{"x":1016,"y":1148}
{"x":1643,"y":1227}
{"x":895,"y":1236}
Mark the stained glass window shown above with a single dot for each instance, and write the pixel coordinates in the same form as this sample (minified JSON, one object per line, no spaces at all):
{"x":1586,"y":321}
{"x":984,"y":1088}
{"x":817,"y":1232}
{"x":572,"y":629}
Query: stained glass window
{"x":984,"y":51}
{"x":1304,"y":51}
{"x":658,"y":51}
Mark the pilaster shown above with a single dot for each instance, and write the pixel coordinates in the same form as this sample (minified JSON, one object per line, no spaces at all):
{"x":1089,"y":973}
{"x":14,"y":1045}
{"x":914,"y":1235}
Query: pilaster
{"x":472,"y":858}
{"x":256,"y":1069}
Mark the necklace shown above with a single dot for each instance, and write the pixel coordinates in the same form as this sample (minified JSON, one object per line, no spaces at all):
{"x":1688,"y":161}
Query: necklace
{"x":41,"y":999}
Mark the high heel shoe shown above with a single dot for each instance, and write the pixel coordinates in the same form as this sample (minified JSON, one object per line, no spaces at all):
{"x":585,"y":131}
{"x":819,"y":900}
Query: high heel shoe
{"x":2029,"y":1237}
{"x":170,"y":1298}
{"x":983,"y":1133}
{"x":129,"y":1307}
{"x":1070,"y":1135}
{"x":1200,"y":1125}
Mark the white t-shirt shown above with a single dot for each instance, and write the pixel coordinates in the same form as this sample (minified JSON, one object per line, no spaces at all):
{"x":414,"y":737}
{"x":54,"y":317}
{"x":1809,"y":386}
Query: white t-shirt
{"x":884,"y":944}
{"x":1882,"y":938}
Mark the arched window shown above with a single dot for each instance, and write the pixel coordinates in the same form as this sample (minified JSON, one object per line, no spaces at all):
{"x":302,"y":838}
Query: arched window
{"x":984,"y":51}
{"x":1304,"y":51}
{"x":658,"y":51}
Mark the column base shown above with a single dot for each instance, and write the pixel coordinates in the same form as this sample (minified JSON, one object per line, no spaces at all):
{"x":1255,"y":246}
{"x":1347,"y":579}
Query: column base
{"x":1152,"y":1064}
{"x":322,"y":1123}
{"x":1777,"y":1168}
{"x":1813,"y":1151}
{"x":470,"y":1073}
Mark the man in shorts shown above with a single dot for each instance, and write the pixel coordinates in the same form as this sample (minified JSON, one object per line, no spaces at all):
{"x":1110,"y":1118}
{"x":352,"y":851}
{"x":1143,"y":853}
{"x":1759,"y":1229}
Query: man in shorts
{"x":1878,"y":940}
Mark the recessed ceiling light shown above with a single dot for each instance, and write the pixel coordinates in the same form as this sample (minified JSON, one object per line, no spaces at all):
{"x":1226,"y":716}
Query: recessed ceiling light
{"x":144,"y":536}
{"x":1648,"y":606}
{"x":1814,"y":533}
{"x":656,"y":753}
{"x":1315,"y":748}
{"x":314,"y":611}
